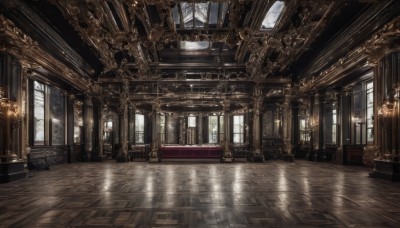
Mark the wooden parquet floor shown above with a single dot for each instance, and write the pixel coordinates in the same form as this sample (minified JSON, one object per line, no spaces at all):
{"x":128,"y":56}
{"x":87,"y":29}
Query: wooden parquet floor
{"x":139,"y":194}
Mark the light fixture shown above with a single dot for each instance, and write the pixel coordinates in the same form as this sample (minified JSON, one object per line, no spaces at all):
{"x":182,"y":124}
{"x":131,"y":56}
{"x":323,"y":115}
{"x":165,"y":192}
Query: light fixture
{"x":12,"y":106}
{"x":387,"y":108}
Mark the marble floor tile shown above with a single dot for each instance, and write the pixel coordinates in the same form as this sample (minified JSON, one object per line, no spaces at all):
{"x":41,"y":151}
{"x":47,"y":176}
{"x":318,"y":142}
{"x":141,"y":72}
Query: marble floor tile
{"x":197,"y":194}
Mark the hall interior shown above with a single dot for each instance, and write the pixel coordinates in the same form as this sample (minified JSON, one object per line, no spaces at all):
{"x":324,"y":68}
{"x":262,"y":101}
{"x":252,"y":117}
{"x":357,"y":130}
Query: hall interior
{"x":226,"y":81}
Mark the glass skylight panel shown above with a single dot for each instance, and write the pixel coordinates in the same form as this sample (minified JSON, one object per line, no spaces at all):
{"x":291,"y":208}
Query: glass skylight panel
{"x":196,"y":45}
{"x":176,"y":15}
{"x":272,"y":15}
{"x":187,"y":13}
{"x":224,"y":9}
{"x":196,"y":15}
{"x":214,"y":8}
{"x":200,"y":14}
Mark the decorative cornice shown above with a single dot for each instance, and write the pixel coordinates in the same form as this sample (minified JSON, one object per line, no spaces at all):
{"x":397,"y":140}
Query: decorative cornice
{"x":99,"y":29}
{"x":385,"y":41}
{"x":27,"y":50}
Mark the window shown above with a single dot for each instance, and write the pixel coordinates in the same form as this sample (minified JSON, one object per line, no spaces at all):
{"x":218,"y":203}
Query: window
{"x":213,"y":129}
{"x":358,"y":114}
{"x":139,"y":128}
{"x":195,"y":45}
{"x":334,"y":125}
{"x":162,"y":129}
{"x":221,"y":128}
{"x":370,"y":112}
{"x":363,"y":113}
{"x":57,"y":116}
{"x":48,"y":115}
{"x":304,"y":126}
{"x":238,"y":129}
{"x":39,"y":113}
{"x":78,"y":122}
{"x":196,"y":15}
{"x":272,"y":15}
{"x":191,"y":121}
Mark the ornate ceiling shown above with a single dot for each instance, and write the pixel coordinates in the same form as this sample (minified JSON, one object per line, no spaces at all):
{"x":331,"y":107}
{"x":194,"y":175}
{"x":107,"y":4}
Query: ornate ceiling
{"x":198,"y":53}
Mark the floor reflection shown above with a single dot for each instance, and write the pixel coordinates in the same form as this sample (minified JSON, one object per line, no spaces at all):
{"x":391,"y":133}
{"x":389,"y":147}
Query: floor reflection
{"x":270,"y":194}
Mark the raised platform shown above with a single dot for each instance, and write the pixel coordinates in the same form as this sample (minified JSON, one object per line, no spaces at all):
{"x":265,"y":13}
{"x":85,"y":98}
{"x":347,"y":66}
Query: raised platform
{"x":386,"y":170}
{"x":188,"y":151}
{"x":11,"y":171}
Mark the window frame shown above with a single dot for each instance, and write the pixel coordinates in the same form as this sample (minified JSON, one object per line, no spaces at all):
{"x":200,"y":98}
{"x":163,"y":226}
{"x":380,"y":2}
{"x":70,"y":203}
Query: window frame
{"x":238,"y":129}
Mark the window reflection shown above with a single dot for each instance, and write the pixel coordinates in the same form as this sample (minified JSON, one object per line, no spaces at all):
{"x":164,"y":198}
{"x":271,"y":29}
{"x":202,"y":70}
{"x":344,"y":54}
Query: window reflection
{"x":139,"y":128}
{"x":213,"y":129}
{"x":38,"y":113}
{"x":238,"y":129}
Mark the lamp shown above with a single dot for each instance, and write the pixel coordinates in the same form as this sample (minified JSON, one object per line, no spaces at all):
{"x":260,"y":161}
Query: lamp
{"x":387,"y":108}
{"x":7,"y":103}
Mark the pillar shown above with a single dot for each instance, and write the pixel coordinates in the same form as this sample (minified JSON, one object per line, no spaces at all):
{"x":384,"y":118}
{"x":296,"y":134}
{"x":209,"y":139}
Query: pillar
{"x":287,"y":126}
{"x":182,"y":129}
{"x":200,"y":129}
{"x":88,"y":120}
{"x":70,"y":127}
{"x":387,"y":93}
{"x":257,"y":106}
{"x":227,"y":154}
{"x":122,"y":155}
{"x":156,"y":142}
{"x":10,"y":107}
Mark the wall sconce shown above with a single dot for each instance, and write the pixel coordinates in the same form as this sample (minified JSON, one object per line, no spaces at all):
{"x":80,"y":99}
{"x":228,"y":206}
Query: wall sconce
{"x":2,"y":97}
{"x":357,"y":120}
{"x":6,"y":103}
{"x":387,"y":108}
{"x":396,"y":92}
{"x":313,"y":124}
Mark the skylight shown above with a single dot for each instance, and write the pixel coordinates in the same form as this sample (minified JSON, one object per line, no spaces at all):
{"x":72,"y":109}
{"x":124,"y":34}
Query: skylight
{"x":272,"y":15}
{"x":196,"y":45}
{"x":195,"y":15}
{"x":198,"y":10}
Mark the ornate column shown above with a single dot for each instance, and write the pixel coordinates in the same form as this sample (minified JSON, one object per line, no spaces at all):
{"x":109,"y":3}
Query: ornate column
{"x":257,"y":106}
{"x":287,"y":126}
{"x":227,"y":154}
{"x":200,"y":129}
{"x":70,"y":127}
{"x":182,"y":129}
{"x":339,"y":127}
{"x":102,"y":119}
{"x":123,"y":116}
{"x":11,"y":107}
{"x":88,"y":120}
{"x":155,"y":144}
{"x":387,"y":95}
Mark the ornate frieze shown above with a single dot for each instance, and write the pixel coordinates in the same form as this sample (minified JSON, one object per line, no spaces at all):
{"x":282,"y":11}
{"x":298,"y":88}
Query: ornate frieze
{"x":15,"y":42}
{"x":384,"y":41}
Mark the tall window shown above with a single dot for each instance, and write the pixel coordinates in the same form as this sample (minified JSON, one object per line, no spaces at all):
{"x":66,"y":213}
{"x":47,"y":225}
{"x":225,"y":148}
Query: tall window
{"x":78,"y":122}
{"x":238,"y":129}
{"x":162,"y":129}
{"x":370,"y":112}
{"x":48,"y":115}
{"x":191,"y":121}
{"x":139,"y":128}
{"x":221,"y":128}
{"x":213,"y":129}
{"x":363,"y":113}
{"x":304,"y":125}
{"x":39,"y":113}
{"x":334,"y":124}
{"x":57,"y":116}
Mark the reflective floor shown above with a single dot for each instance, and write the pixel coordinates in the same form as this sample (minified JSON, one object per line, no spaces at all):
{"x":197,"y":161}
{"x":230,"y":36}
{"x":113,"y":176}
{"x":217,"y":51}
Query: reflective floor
{"x":139,"y":194}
